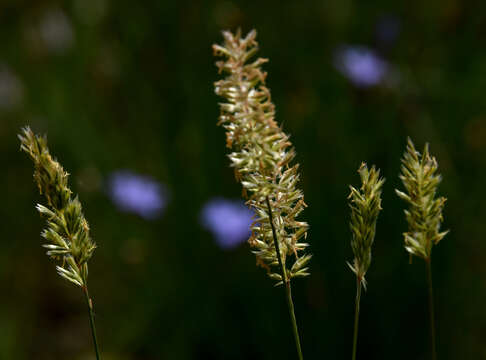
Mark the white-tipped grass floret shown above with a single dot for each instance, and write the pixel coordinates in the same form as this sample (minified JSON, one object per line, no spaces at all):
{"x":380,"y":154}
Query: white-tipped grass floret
{"x":261,"y":158}
{"x":67,"y":231}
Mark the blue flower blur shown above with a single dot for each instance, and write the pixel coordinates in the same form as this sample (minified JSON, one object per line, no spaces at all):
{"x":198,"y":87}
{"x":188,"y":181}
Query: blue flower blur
{"x":361,"y":65}
{"x":137,"y":194}
{"x":228,"y":220}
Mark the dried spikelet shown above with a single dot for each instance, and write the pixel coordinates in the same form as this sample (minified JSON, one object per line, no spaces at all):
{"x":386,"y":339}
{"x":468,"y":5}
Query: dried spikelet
{"x":424,"y":215}
{"x":365,"y":206}
{"x":67,"y":232}
{"x":262,"y":156}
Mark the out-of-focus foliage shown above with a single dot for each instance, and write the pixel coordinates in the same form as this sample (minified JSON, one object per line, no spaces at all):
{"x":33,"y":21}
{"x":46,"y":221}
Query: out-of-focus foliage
{"x":128,"y":85}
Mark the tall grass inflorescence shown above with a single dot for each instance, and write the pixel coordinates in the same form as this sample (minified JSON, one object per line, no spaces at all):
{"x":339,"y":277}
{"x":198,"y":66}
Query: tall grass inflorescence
{"x":261,"y":158}
{"x":365,"y":205}
{"x":424,"y":215}
{"x":67,"y":231}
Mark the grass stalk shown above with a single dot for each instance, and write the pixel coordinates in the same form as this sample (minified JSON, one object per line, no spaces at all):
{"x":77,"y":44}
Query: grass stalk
{"x":431,"y":309}
{"x":286,"y":280}
{"x":356,"y":316}
{"x":89,"y":302}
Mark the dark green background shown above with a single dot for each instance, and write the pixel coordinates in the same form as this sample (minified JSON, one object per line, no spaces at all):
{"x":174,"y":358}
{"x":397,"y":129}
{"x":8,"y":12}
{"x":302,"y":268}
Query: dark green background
{"x":135,"y":91}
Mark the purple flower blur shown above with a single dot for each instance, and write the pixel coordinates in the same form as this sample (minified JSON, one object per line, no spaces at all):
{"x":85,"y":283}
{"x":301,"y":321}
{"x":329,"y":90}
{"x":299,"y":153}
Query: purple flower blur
{"x":228,"y":220}
{"x":137,"y":194}
{"x":361,"y":65}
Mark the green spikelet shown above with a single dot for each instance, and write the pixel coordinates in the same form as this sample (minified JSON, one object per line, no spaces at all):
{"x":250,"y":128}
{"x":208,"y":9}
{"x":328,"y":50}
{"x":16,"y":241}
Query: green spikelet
{"x":424,"y":215}
{"x":261,"y":157}
{"x":365,"y":205}
{"x":67,"y":231}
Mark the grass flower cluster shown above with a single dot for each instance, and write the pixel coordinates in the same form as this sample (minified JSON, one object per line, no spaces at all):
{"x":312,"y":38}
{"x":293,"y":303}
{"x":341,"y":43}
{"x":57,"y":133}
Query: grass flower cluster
{"x":67,"y":231}
{"x":424,"y":215}
{"x":365,"y":205}
{"x":261,"y":157}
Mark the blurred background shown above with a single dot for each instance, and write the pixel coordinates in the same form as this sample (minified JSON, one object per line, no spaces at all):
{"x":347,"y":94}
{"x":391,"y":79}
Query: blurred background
{"x":124,"y":91}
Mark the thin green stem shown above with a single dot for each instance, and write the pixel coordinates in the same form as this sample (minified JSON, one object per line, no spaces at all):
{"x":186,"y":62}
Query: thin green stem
{"x":292,"y":318}
{"x":356,"y":316}
{"x":91,"y":321}
{"x":431,"y":309}
{"x":286,"y":281}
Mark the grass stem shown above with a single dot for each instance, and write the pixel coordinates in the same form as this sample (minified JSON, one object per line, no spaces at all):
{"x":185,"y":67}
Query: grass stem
{"x":91,"y":321}
{"x":286,"y":281}
{"x":356,"y":316}
{"x":431,"y":309}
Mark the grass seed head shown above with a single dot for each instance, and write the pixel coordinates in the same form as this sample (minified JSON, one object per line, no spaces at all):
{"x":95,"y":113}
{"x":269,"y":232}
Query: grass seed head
{"x":421,"y":179}
{"x":365,"y":204}
{"x":67,"y":232}
{"x":261,"y":156}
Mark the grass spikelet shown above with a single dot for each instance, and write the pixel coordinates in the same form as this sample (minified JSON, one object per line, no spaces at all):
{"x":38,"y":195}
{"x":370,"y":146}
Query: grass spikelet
{"x":420,"y":178}
{"x":424,"y":215}
{"x":67,"y":232}
{"x":262,"y":157}
{"x":365,"y":205}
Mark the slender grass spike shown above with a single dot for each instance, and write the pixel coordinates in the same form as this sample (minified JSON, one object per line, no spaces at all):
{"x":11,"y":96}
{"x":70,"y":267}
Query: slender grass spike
{"x":261,"y":158}
{"x":365,"y":205}
{"x":424,"y":215}
{"x":67,"y":231}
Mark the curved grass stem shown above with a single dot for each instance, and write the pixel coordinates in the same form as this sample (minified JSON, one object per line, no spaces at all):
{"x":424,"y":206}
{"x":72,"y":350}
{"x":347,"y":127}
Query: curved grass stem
{"x":286,"y":281}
